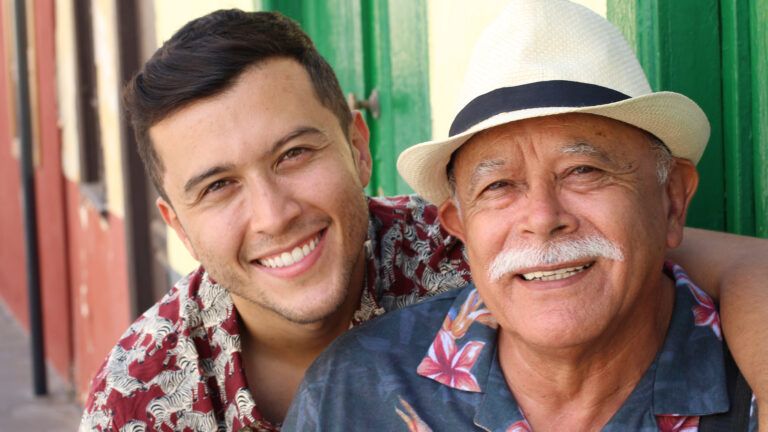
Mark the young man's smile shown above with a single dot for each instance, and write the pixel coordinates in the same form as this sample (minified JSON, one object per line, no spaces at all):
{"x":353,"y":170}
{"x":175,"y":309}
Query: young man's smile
{"x":293,"y":260}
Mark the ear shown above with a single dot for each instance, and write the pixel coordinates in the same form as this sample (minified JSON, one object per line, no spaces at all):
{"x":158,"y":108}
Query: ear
{"x":450,"y":217}
{"x":170,"y":218}
{"x":682,"y":184}
{"x":359,"y":136}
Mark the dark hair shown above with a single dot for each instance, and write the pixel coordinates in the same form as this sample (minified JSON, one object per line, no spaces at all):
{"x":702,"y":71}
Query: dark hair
{"x":205,"y":58}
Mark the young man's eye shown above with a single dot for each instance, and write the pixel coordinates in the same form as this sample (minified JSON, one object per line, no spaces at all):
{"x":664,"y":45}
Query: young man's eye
{"x":216,"y":186}
{"x":294,"y":153}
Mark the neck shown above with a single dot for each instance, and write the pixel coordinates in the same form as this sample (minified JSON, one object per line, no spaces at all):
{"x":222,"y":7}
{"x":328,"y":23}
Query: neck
{"x":270,"y":333}
{"x":583,"y":386}
{"x":276,"y":352}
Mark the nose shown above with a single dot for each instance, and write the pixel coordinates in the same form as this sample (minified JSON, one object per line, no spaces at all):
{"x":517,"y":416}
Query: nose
{"x":273,"y":208}
{"x":543,"y":213}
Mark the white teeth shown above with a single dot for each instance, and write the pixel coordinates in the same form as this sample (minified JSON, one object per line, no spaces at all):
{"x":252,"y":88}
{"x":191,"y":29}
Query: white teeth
{"x":289,"y":258}
{"x":286,"y":258}
{"x":553,"y":275}
{"x":297,"y":254}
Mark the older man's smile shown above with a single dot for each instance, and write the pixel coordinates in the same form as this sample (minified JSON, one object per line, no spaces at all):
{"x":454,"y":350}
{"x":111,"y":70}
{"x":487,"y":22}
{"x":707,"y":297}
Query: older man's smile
{"x":554,"y":274}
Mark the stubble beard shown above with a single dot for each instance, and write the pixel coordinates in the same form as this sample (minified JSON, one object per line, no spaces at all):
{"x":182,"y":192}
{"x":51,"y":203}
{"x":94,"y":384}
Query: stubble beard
{"x":339,"y":289}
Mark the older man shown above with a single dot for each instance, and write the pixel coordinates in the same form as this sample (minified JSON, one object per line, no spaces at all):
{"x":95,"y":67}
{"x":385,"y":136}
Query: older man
{"x":568,"y":180}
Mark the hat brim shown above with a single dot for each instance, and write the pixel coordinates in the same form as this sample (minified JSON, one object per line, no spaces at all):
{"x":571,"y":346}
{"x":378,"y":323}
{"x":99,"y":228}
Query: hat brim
{"x":673,"y":118}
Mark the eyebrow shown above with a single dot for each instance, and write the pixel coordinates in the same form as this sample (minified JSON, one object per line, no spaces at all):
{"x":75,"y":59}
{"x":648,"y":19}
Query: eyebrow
{"x":299,"y":131}
{"x":215,"y":170}
{"x":585,"y":148}
{"x":483,"y":168}
{"x":199,"y":178}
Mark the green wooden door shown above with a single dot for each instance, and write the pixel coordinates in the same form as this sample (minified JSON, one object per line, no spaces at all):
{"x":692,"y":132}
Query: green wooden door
{"x":376,"y":46}
{"x":715,"y":52}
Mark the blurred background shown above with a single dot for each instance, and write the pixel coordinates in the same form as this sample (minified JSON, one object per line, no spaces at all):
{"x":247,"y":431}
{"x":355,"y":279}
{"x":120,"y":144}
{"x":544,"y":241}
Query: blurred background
{"x":83,"y":251}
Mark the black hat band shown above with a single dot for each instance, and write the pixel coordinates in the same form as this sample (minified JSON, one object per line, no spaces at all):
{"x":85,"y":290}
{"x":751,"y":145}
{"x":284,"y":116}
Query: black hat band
{"x":542,"y":94}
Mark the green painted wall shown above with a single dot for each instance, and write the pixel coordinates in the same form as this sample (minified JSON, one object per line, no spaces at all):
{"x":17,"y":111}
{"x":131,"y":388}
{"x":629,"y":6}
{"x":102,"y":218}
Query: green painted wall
{"x":714,"y":52}
{"x":759,"y":66}
{"x":737,"y":119}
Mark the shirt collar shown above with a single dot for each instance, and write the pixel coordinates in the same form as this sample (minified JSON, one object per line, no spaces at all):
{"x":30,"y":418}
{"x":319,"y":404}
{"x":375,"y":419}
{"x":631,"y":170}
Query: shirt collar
{"x":462,"y":351}
{"x":690,"y":371}
{"x":224,"y":355}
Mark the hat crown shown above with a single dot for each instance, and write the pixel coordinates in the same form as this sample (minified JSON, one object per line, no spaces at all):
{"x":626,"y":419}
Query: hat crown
{"x":550,"y":57}
{"x":538,"y":41}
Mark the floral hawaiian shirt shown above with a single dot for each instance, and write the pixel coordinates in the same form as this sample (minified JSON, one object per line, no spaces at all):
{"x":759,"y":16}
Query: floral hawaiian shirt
{"x":434,"y":366}
{"x":179,"y":367}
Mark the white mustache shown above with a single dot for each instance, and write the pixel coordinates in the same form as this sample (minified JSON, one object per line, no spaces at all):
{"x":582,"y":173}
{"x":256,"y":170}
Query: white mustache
{"x":560,"y":251}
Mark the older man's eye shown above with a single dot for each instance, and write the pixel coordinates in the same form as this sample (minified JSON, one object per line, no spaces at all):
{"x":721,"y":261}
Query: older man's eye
{"x":585,"y":172}
{"x":500,"y":184}
{"x":584,"y":169}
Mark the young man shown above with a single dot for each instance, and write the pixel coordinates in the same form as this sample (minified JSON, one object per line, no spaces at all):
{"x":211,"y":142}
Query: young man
{"x":261,"y":167}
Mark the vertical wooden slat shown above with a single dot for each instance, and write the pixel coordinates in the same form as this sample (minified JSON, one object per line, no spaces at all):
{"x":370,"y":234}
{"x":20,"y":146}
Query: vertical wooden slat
{"x":378,"y":75}
{"x":409,"y":52}
{"x":759,"y":61}
{"x":691,"y":51}
{"x":737,"y":119}
{"x":396,"y":64}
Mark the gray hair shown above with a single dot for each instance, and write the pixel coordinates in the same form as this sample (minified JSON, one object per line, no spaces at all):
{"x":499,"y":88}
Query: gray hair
{"x":664,"y":159}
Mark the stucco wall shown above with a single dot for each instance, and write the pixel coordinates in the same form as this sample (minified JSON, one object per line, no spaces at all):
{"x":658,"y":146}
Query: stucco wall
{"x":13,"y":280}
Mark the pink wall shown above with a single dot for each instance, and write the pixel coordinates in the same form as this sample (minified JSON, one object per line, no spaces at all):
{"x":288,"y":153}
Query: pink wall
{"x":51,"y":217}
{"x":99,"y":281}
{"x":13,"y":280}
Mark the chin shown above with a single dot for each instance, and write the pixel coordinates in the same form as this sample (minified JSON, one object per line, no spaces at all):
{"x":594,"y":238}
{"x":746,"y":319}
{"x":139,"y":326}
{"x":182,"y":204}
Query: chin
{"x":558,"y":332}
{"x":310,"y":310}
{"x":309,"y":315}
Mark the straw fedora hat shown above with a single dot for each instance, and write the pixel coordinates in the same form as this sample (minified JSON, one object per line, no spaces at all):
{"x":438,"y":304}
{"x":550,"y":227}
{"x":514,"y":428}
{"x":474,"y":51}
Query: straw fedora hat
{"x":547,"y":57}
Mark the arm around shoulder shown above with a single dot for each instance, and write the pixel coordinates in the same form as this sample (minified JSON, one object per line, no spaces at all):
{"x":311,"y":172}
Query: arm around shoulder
{"x":734,"y":269}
